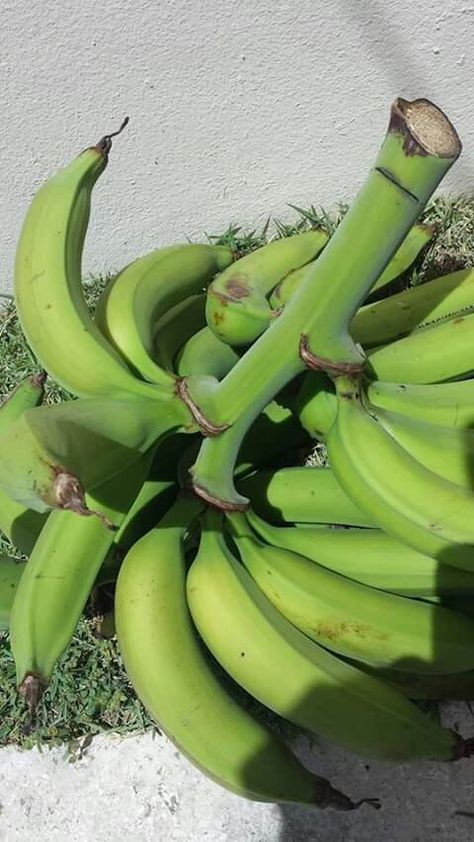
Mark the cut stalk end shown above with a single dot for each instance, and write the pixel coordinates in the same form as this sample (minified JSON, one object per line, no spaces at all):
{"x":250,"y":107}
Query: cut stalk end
{"x":425,"y":128}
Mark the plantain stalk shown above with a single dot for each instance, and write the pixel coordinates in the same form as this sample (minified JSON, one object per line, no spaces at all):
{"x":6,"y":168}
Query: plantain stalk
{"x":419,"y":148}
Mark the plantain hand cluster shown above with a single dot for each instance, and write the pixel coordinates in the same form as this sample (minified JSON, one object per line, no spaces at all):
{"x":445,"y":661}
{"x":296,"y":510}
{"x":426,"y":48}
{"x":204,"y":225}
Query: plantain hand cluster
{"x":334,"y":596}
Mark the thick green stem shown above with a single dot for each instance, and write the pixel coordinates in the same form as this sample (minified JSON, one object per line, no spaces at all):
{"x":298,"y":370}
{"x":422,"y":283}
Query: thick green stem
{"x":313,"y":330}
{"x":213,"y":472}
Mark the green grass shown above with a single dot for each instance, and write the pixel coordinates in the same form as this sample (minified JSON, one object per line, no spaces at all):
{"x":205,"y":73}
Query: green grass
{"x":90,"y":692}
{"x":452,"y":248}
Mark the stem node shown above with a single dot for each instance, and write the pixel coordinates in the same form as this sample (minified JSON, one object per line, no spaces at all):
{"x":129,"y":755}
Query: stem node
{"x":334,"y":368}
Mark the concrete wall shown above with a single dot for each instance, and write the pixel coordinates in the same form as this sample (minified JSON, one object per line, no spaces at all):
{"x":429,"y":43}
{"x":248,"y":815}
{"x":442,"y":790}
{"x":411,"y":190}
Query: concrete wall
{"x":237,"y":108}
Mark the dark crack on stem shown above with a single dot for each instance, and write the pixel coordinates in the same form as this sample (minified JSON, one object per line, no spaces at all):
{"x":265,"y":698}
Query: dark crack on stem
{"x":207,"y":427}
{"x":216,"y":503}
{"x":390,"y":176}
{"x":335,"y":368}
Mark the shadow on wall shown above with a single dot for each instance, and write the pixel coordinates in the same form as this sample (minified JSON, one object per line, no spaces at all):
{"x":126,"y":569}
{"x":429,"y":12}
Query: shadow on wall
{"x":409,"y":73}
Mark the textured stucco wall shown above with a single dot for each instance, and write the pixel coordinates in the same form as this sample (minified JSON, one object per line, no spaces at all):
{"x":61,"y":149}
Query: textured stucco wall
{"x":237,"y":108}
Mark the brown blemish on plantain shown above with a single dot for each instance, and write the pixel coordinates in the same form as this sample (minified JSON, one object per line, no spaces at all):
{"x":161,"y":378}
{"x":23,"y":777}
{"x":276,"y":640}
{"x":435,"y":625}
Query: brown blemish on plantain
{"x":237,"y":288}
{"x":69,"y":495}
{"x":218,"y":318}
{"x":333,"y":631}
{"x":221,"y":298}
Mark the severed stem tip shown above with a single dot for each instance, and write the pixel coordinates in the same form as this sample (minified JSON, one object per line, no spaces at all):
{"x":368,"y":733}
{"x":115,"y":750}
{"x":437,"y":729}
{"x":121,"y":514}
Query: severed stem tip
{"x":105,"y":143}
{"x":32,"y":688}
{"x":425,"y":128}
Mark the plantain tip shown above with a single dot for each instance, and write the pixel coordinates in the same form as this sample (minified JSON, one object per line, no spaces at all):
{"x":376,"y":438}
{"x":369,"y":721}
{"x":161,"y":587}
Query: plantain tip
{"x":105,"y":143}
{"x":39,"y":379}
{"x":32,"y":688}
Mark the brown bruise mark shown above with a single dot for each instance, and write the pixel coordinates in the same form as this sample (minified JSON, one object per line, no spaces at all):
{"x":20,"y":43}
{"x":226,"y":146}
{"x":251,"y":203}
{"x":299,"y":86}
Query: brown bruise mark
{"x":219,"y":296}
{"x":237,"y":288}
{"x":218,"y":318}
{"x":68,"y":494}
{"x":336,"y":630}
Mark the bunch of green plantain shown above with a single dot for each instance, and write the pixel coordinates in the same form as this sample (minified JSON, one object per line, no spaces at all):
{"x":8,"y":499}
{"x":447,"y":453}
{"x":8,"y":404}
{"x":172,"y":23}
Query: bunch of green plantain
{"x":337,"y":596}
